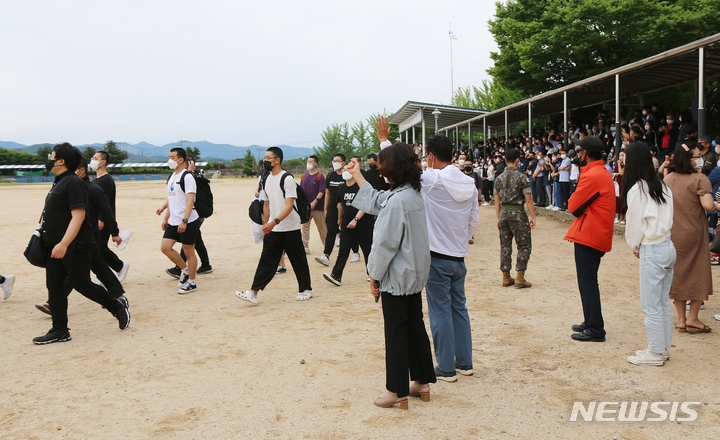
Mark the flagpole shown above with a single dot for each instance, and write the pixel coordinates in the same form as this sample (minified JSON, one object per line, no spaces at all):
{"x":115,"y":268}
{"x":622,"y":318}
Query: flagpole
{"x":452,"y":78}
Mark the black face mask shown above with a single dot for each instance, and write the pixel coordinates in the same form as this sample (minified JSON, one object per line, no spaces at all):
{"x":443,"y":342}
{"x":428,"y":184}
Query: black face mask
{"x":373,"y":166}
{"x":50,"y":164}
{"x":268,"y":166}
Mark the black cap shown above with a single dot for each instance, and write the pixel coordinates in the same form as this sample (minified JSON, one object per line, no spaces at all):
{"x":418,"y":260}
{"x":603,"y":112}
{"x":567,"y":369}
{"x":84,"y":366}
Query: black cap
{"x":705,"y":139}
{"x":512,"y":154}
{"x":590,"y":143}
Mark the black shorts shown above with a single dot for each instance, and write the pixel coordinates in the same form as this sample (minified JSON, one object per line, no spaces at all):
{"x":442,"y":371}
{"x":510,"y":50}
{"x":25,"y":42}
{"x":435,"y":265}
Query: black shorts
{"x":187,"y":237}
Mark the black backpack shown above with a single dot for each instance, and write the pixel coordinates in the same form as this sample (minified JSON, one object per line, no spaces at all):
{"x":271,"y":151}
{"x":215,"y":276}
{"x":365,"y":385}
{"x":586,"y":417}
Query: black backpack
{"x":203,"y":195}
{"x":302,"y":203}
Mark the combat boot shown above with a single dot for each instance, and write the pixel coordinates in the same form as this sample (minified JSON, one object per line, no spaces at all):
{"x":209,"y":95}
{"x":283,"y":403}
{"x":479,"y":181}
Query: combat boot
{"x":521,"y":282}
{"x":507,"y":279}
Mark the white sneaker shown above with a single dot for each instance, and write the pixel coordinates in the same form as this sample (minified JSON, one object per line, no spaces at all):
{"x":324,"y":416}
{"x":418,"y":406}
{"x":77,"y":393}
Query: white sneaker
{"x":645,"y":357}
{"x":550,"y":207}
{"x":556,"y":209}
{"x":123,"y":272}
{"x":307,"y":250}
{"x":687,"y":305}
{"x":7,"y":286}
{"x":337,"y":241}
{"x":304,"y":296}
{"x":485,"y":204}
{"x":125,"y":236}
{"x":717,"y":317}
{"x":247,"y":295}
{"x":323,"y":259}
{"x":666,"y":354}
{"x":355,"y":258}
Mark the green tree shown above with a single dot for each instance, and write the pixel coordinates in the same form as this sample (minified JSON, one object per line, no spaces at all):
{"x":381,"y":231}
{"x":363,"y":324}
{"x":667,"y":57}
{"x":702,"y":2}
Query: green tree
{"x":371,"y":124}
{"x":545,"y":44}
{"x":248,"y":163}
{"x":88,"y":153}
{"x":489,"y":96}
{"x":116,"y":155}
{"x":194,"y":152}
{"x":336,"y":139}
{"x":14,"y":157}
{"x":42,"y":153}
{"x":363,"y":139}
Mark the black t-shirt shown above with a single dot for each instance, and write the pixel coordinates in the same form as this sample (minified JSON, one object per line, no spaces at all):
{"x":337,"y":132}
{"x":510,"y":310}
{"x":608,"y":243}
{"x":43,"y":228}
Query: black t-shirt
{"x":98,"y":207}
{"x":332,"y":183}
{"x":107,"y":184}
{"x":347,"y":195}
{"x":374,"y":178}
{"x":67,"y":193}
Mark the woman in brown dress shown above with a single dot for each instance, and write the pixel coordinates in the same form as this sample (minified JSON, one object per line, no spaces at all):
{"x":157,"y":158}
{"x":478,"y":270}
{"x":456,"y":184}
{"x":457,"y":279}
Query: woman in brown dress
{"x":692,"y":195}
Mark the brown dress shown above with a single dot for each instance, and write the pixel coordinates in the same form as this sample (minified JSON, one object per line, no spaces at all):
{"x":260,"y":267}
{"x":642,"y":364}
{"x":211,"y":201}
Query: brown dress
{"x":689,"y":234}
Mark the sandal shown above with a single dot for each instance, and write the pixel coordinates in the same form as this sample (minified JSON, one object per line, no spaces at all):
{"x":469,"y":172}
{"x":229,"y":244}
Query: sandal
{"x":693,"y":329}
{"x":680,"y":329}
{"x":43,"y":308}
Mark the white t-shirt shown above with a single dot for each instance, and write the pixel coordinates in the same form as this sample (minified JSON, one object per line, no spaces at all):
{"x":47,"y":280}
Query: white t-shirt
{"x":177,"y":200}
{"x":273,"y":193}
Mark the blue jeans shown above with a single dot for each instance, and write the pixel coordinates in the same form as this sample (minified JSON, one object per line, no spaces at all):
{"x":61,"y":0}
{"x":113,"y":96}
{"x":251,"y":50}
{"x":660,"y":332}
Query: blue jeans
{"x":656,"y":273}
{"x":449,"y":320}
{"x":557,"y":197}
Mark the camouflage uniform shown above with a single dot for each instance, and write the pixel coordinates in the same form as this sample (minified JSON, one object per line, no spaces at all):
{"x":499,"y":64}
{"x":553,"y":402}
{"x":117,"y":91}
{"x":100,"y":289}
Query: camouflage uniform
{"x":511,"y":186}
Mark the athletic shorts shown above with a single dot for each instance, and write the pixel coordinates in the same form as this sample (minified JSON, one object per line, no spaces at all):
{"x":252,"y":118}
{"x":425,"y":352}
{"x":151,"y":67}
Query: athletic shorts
{"x":187,"y":237}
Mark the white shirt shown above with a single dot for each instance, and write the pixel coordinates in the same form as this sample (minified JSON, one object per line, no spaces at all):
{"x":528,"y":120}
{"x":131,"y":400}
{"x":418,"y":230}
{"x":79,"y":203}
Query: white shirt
{"x":574,"y":172}
{"x":274,"y":194}
{"x":451,"y":208}
{"x":177,"y":200}
{"x":647,"y":221}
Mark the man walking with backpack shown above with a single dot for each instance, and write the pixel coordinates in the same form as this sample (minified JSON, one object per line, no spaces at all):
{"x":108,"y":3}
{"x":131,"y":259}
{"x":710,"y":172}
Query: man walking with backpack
{"x":182,"y":221}
{"x":281,"y":225}
{"x":313,"y":183}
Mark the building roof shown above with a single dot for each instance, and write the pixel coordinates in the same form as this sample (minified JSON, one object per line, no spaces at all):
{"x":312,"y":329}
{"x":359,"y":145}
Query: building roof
{"x":668,"y":69}
{"x":449,"y":114}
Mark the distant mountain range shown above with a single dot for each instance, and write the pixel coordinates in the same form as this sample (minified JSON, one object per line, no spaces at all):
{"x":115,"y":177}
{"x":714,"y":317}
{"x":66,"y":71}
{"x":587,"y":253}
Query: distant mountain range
{"x":145,"y":152}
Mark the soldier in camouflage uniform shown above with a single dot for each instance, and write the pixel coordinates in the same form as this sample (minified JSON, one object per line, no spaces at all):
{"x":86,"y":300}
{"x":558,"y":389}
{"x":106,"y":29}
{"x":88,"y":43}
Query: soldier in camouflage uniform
{"x":511,"y":191}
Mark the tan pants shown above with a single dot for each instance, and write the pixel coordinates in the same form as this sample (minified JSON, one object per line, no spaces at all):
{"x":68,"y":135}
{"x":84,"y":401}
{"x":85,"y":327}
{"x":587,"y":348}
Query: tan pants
{"x":318,"y":217}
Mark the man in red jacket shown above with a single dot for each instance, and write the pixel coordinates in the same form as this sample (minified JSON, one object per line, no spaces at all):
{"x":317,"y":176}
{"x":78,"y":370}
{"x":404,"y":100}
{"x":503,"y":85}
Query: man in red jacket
{"x":593,"y":203}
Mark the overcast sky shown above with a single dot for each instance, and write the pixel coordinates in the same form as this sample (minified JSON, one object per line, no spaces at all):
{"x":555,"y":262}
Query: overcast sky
{"x":227,"y":71}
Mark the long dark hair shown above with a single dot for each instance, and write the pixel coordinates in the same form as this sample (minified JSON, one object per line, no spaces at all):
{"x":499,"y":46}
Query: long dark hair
{"x":400,"y":165}
{"x":639,"y":166}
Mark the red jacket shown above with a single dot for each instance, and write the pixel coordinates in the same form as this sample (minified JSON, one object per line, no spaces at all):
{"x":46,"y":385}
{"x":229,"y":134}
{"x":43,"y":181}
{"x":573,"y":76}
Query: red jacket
{"x":593,"y":203}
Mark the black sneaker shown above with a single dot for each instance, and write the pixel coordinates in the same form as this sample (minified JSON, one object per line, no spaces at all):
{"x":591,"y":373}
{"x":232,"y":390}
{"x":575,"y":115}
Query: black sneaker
{"x":187,"y":288}
{"x":280,"y":269}
{"x":173,"y":272}
{"x":53,"y":336}
{"x":123,"y":315}
{"x":447,"y":377}
{"x":124,"y":301}
{"x":330,"y":277}
{"x":204,"y":269}
{"x":45,"y":308}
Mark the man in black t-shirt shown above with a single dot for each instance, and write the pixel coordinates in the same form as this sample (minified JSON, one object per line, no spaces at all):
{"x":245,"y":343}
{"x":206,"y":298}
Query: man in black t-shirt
{"x":356,"y":229}
{"x":372,"y":175}
{"x":69,"y":238}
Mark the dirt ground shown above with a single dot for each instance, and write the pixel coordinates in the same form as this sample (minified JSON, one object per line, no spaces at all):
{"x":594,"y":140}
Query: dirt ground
{"x":209,"y":366}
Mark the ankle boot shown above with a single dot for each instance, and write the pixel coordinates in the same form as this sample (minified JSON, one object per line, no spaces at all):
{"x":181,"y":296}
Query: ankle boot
{"x":507,"y":279}
{"x":520,"y":281}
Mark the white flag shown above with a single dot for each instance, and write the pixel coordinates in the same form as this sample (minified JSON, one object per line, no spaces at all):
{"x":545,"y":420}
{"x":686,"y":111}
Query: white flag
{"x":452,"y":35}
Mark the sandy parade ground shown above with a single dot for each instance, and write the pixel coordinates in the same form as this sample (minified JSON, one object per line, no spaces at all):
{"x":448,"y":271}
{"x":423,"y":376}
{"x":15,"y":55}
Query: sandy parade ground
{"x":210,"y":366}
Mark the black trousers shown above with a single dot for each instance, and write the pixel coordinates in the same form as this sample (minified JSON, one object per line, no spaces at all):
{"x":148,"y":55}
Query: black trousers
{"x":331,"y":220}
{"x":109,"y":256}
{"x":587,"y":263}
{"x":274,"y":244}
{"x":407,"y":346}
{"x":199,"y":248}
{"x":361,"y":236}
{"x":564,"y":193}
{"x":75,"y":266}
{"x":487,"y":187}
{"x":104,"y":274}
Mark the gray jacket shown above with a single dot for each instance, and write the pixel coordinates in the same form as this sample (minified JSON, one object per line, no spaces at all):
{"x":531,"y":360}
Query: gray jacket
{"x":400,"y":254}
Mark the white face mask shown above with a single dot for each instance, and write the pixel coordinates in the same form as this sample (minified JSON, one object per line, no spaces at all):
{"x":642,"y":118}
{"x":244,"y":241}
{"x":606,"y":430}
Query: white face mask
{"x":424,"y":164}
{"x":346,"y":175}
{"x":699,"y":162}
{"x":461,"y":162}
{"x":310,"y":167}
{"x":172,"y":164}
{"x":644,"y":112}
{"x":337,"y":165}
{"x":647,"y":127}
{"x":562,"y":156}
{"x":94,"y":164}
{"x":670,"y":121}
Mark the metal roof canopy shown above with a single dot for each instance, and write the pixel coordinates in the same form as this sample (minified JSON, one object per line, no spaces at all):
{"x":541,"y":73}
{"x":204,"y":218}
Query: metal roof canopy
{"x":448,"y":114}
{"x":671,"y":68}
